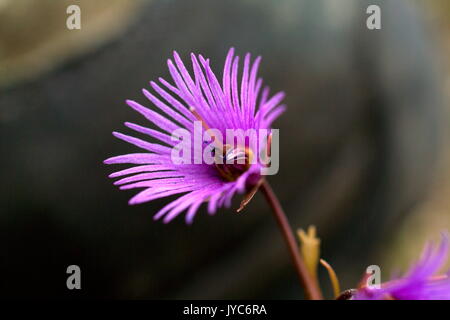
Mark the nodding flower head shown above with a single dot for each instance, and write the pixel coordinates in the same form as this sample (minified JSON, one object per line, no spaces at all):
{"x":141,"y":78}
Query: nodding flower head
{"x":421,"y":282}
{"x":199,"y":106}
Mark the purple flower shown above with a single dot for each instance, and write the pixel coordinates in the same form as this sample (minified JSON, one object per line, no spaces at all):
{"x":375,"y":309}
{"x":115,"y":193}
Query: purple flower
{"x":216,"y":106}
{"x":421,"y":281}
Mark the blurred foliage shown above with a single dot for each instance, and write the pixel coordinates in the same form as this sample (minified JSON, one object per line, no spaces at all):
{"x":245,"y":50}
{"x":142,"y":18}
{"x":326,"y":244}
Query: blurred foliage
{"x":432,"y":216}
{"x":34,"y":37}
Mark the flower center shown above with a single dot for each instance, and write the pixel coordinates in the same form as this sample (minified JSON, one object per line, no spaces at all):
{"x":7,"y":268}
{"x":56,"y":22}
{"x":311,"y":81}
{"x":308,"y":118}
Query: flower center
{"x":232,"y":162}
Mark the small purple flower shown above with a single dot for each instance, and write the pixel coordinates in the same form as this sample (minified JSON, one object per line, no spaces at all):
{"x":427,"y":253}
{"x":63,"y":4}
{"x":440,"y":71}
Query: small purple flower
{"x":218,"y":106}
{"x":421,"y":281}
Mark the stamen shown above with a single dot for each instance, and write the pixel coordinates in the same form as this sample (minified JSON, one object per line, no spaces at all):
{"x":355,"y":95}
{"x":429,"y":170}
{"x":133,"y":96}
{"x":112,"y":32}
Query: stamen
{"x":333,"y":278}
{"x":363,"y":282}
{"x":205,"y":126}
{"x":249,"y":196}
{"x":269,"y":148}
{"x":199,"y":118}
{"x":438,"y":277}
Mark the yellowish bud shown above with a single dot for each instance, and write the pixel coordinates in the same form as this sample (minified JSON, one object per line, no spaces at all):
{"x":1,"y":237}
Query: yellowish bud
{"x":310,"y":249}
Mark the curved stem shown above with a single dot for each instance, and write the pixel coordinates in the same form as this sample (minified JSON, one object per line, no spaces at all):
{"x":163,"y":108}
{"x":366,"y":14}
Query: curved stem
{"x":308,"y":283}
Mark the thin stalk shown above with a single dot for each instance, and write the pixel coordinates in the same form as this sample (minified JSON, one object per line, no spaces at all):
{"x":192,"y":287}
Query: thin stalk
{"x":311,"y":288}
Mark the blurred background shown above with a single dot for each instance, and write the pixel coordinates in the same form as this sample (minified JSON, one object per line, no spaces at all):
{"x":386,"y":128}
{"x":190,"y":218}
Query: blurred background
{"x":364,"y":143}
